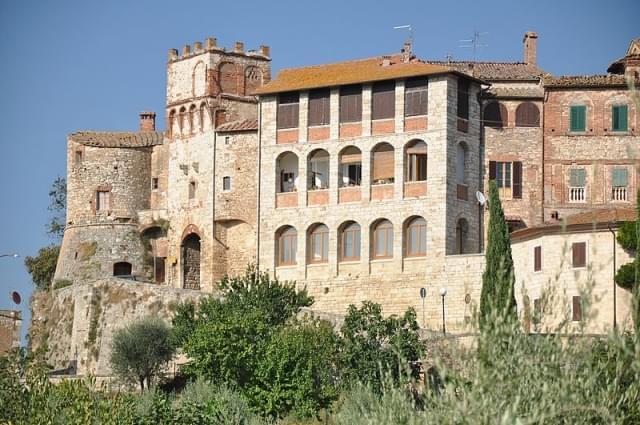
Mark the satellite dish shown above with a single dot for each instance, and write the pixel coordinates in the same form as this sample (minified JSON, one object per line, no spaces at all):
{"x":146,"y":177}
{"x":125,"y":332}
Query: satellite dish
{"x":480,"y":197}
{"x":15,"y":296}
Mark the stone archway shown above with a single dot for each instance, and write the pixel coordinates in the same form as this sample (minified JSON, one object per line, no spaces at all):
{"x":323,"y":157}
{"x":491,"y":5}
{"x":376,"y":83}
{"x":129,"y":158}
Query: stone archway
{"x":191,"y":261}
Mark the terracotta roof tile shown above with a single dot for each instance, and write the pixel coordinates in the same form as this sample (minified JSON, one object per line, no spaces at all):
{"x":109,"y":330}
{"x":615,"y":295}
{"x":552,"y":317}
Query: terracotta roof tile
{"x":116,"y":139}
{"x":242,"y":125}
{"x":515,"y":92}
{"x":494,"y":71}
{"x":602,"y":216}
{"x":357,"y":71}
{"x":608,"y":80}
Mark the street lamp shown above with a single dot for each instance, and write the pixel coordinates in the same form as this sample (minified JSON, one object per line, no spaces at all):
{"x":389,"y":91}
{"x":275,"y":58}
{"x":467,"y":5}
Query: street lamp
{"x":9,"y":255}
{"x":443,"y":292}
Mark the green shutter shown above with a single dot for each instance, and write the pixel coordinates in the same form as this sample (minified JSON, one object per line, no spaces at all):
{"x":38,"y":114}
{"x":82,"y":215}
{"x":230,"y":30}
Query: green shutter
{"x":578,"y":177}
{"x":620,"y":177}
{"x":619,"y":118}
{"x":578,"y":118}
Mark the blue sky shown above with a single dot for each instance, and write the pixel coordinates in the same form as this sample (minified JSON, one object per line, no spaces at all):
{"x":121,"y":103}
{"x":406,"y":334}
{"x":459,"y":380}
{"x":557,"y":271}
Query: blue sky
{"x":72,"y":65}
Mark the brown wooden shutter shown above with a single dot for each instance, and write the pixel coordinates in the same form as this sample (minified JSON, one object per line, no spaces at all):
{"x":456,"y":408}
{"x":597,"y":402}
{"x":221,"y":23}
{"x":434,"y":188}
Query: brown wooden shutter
{"x":517,"y":180}
{"x":383,"y":100}
{"x":416,"y":97}
{"x":319,"y":107}
{"x":577,"y":308}
{"x":579,"y":254}
{"x":527,"y":115}
{"x":288,"y":110}
{"x":537,"y":258}
{"x":383,"y":165}
{"x":495,"y":115}
{"x":492,"y":170}
{"x":351,"y":158}
{"x":351,"y":104}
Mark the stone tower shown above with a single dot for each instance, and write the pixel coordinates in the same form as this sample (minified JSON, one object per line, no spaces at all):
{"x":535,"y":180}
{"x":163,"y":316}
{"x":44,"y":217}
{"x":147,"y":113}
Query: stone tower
{"x":210,"y":88}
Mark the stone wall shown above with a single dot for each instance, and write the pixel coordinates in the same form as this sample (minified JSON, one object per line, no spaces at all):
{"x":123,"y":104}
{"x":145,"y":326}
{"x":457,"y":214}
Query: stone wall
{"x":78,"y":322}
{"x":10,"y":326}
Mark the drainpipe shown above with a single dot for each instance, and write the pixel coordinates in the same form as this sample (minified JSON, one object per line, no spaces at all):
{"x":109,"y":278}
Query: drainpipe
{"x":613,"y":234}
{"x":259,"y":184}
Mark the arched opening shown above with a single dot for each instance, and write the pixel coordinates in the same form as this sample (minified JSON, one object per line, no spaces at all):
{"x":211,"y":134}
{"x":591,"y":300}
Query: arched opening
{"x":199,"y":79}
{"x":122,"y":268}
{"x":416,"y":237}
{"x":416,"y":161}
{"x":495,"y":115}
{"x":171,"y":121}
{"x":181,"y":114}
{"x":350,"y":167}
{"x":462,"y":233}
{"x":155,"y":246}
{"x":527,"y":115}
{"x":192,"y":115}
{"x":318,"y":170}
{"x":201,"y":115}
{"x":382,"y":240}
{"x":318,"y":243}
{"x":191,"y":261}
{"x":382,"y":164}
{"x":287,"y":172}
{"x":349,"y":241}
{"x":286,"y":246}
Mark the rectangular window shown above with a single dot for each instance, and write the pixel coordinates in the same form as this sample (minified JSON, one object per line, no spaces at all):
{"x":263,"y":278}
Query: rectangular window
{"x":537,"y":258}
{"x":578,"y":118}
{"x":288,"y":110}
{"x":577,"y":309}
{"x":417,"y":168}
{"x":619,"y":177}
{"x":154,"y":183}
{"x":383,"y":245}
{"x":288,"y":249}
{"x":463,"y":99}
{"x":319,"y":247}
{"x":383,"y":100}
{"x":226,"y":183}
{"x":578,"y":177}
{"x":78,"y":158}
{"x":579,"y":254}
{"x":351,"y":103}
{"x":352,"y":174}
{"x":351,"y":244}
{"x":508,"y":177}
{"x":619,"y":118}
{"x":417,"y":239}
{"x":415,"y":97}
{"x":192,"y":190}
{"x":319,"y":102}
{"x":103,"y":200}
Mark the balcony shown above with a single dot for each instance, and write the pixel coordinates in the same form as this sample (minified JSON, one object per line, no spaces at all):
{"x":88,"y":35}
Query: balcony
{"x":619,"y":194}
{"x":577,"y":194}
{"x":286,"y":199}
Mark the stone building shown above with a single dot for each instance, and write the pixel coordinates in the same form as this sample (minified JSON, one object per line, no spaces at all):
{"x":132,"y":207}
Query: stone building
{"x":357,"y":179}
{"x":10,"y":326}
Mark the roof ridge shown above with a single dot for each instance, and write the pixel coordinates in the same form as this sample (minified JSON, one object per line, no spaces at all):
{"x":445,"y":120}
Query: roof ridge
{"x":378,"y":57}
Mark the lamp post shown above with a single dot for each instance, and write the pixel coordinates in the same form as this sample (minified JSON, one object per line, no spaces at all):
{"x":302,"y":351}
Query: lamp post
{"x":9,"y":255}
{"x":443,"y":292}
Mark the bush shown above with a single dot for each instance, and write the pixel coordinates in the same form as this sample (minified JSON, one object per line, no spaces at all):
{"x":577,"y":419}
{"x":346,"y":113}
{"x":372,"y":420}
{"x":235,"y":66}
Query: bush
{"x":626,"y":275}
{"x":42,"y":267}
{"x":140,"y":350}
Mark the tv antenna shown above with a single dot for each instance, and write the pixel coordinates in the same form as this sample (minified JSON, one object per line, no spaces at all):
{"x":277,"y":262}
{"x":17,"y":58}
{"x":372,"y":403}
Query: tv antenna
{"x":474,"y":43}
{"x":406,"y":27}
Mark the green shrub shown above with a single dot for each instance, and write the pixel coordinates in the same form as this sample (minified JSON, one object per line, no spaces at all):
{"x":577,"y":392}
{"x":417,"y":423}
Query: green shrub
{"x":62,"y":283}
{"x":626,"y":275}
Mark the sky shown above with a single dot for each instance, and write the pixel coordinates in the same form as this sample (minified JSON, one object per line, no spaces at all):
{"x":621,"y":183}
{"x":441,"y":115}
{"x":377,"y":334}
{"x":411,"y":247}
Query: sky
{"x":94,"y":65}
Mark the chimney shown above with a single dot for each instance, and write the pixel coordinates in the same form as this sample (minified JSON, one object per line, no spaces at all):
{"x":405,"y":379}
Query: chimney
{"x":406,"y":51}
{"x":530,"y":45}
{"x":265,"y":50}
{"x":147,"y":122}
{"x":239,"y":47}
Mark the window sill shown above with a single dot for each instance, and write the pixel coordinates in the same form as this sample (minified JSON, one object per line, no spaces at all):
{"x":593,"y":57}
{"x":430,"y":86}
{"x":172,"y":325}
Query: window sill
{"x":417,"y":116}
{"x":318,"y":264}
{"x":347,"y":262}
{"x":381,"y":260}
{"x":318,"y":126}
{"x":415,"y":257}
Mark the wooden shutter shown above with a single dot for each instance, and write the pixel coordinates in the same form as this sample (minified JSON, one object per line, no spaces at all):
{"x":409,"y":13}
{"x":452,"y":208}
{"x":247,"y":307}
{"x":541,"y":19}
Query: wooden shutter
{"x":463,"y":99}
{"x":351,"y":104}
{"x":578,"y":118}
{"x":383,"y":100}
{"x":416,"y":97}
{"x":492,"y":170}
{"x":319,"y":107}
{"x":527,"y":115}
{"x":577,"y":308}
{"x":619,"y":118}
{"x":288,"y":110}
{"x":537,"y":258}
{"x":495,"y":115}
{"x":579,"y":254}
{"x":383,"y":165}
{"x":517,"y":180}
{"x":351,"y":158}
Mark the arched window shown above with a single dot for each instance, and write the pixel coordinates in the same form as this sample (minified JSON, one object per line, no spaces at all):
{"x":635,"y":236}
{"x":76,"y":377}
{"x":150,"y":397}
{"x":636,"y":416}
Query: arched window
{"x":172,"y":121}
{"x":199,"y":79}
{"x":416,"y":237}
{"x":122,"y":268}
{"x":286,"y":246}
{"x":495,"y":115}
{"x":350,"y":242}
{"x":191,"y":261}
{"x":527,"y":115}
{"x":181,"y":115}
{"x":382,"y":245}
{"x":252,"y":80}
{"x":287,"y":172}
{"x":201,"y":115}
{"x":192,"y":115}
{"x":416,"y":161}
{"x":318,"y":169}
{"x":462,"y":230}
{"x":461,"y":162}
{"x":350,"y":167}
{"x":318,"y":243}
{"x":382,"y":164}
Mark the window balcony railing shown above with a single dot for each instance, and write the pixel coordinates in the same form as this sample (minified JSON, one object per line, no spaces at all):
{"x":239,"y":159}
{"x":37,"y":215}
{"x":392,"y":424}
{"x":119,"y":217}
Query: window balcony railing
{"x":577,"y":194}
{"x":619,"y":194}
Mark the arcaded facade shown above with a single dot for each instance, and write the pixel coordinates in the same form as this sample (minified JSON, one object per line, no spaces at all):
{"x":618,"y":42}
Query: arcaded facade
{"x":357,"y":180}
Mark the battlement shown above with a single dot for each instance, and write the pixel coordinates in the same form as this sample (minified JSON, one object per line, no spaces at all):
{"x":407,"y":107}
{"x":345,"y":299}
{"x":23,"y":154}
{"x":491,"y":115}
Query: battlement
{"x":211,"y":45}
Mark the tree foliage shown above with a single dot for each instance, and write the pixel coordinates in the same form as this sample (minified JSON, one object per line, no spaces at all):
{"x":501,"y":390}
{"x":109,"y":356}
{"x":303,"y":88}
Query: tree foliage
{"x":140,"y":350}
{"x":373,"y":345}
{"x":497,"y":299}
{"x":42,"y":267}
{"x":57,"y":208}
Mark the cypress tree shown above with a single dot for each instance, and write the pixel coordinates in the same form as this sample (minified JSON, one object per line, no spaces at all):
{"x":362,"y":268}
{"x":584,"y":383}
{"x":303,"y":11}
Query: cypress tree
{"x":497,"y":299}
{"x":636,"y":286}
